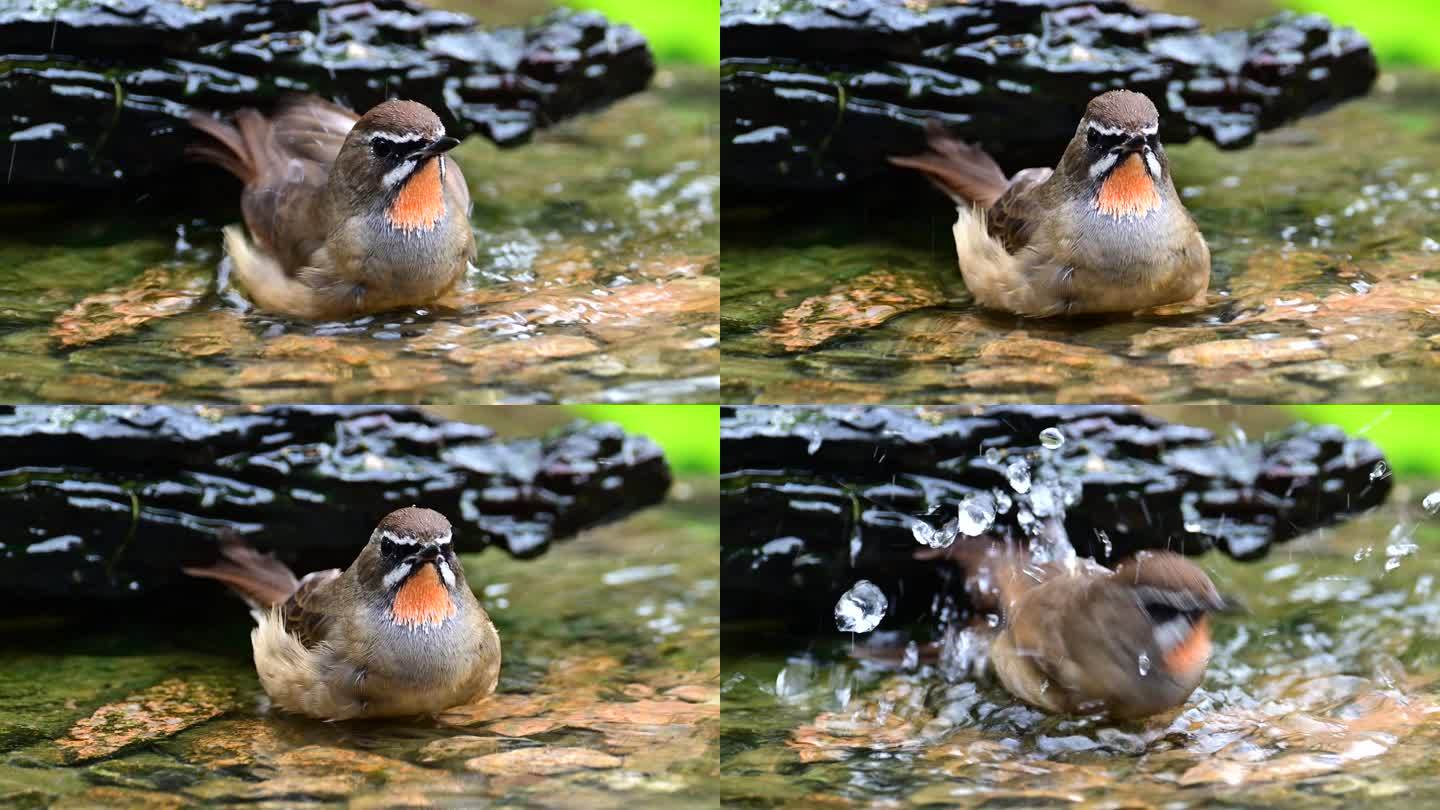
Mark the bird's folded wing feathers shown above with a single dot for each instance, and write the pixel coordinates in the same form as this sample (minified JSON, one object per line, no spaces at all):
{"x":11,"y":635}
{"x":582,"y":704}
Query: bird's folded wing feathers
{"x":1014,"y":217}
{"x":304,"y":613}
{"x":300,"y":142}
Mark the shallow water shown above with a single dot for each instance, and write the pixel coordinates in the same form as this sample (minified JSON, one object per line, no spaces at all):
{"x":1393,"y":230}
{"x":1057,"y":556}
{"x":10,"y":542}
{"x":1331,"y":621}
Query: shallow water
{"x":1323,"y":695}
{"x":596,"y":280}
{"x":609,"y":695}
{"x":1325,"y":286}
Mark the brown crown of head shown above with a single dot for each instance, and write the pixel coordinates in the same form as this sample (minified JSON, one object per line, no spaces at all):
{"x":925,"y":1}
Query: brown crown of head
{"x":398,"y":117}
{"x":1168,"y":571}
{"x":414,"y":521}
{"x":1124,"y":110}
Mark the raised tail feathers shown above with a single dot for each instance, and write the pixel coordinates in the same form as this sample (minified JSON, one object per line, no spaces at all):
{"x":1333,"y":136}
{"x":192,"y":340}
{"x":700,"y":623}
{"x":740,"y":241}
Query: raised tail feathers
{"x":260,"y":579}
{"x":236,"y":148}
{"x":963,"y":171}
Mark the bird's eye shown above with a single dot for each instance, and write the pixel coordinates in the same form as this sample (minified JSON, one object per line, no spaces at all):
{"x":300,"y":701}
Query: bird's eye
{"x":1102,"y":140}
{"x":387,"y":547}
{"x":384,"y":149}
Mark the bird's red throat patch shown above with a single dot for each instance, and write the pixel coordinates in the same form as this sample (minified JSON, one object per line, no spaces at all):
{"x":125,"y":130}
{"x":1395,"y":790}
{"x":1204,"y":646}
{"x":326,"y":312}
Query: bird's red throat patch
{"x":422,"y":601}
{"x":1128,"y":191}
{"x":420,"y":203}
{"x":1193,"y":652}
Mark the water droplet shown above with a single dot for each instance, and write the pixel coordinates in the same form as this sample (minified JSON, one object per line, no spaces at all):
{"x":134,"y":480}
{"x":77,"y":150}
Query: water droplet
{"x":924,"y":532}
{"x":1042,"y":501}
{"x":1144,"y":662}
{"x":1381,"y":470}
{"x":993,"y":455}
{"x":1104,"y":540}
{"x":976,"y":515}
{"x":1432,"y":502}
{"x":927,"y":535}
{"x":1002,"y":501}
{"x":911,"y":661}
{"x":861,"y":608}
{"x":1018,"y":474}
{"x":1364,"y":553}
{"x":1051,"y":438}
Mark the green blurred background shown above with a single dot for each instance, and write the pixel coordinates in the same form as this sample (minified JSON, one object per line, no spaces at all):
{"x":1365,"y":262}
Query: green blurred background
{"x":1407,"y":433}
{"x":683,"y":31}
{"x":1402,"y":32}
{"x":690,"y":434}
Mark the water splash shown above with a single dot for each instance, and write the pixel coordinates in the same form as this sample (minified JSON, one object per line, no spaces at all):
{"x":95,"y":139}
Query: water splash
{"x":861,"y":608}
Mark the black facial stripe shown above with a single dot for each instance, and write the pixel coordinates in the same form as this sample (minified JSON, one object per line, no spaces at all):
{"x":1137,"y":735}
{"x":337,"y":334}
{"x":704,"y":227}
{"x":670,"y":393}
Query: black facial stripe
{"x":394,"y":150}
{"x":1161,"y":613}
{"x":1102,"y":141}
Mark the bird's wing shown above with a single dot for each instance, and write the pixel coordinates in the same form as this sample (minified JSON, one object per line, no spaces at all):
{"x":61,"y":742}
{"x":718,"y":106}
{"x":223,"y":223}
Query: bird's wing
{"x":1014,"y":217}
{"x":305,"y":614}
{"x":292,"y":151}
{"x":311,"y":128}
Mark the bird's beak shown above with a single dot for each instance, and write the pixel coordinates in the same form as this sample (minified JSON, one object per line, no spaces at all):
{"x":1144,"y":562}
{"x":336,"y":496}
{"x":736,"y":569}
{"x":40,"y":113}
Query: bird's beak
{"x":439,"y":146}
{"x":428,"y":553}
{"x":1135,"y":144}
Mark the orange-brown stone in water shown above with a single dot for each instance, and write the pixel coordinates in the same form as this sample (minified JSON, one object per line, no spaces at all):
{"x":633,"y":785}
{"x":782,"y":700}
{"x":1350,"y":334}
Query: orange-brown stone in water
{"x":1193,"y":652}
{"x":1128,"y":191}
{"x":422,"y":600}
{"x":421,"y":202}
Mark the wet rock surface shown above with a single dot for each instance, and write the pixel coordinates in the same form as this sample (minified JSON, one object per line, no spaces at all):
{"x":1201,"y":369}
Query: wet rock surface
{"x":816,"y":499}
{"x":95,"y":95}
{"x":817,"y":94}
{"x":609,"y":695}
{"x":109,"y":502}
{"x":1323,"y":289}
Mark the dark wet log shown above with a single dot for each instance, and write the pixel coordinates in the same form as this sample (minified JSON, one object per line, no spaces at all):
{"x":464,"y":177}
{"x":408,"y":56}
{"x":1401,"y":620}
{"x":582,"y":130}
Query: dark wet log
{"x":110,"y":501}
{"x":96,"y":95}
{"x":815,"y":95}
{"x":814,"y":499}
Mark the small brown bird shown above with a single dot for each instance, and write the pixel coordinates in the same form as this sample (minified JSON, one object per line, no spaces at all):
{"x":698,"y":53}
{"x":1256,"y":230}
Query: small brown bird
{"x":1103,"y":232}
{"x":347,"y":214}
{"x":1083,"y":639}
{"x":396,"y":634}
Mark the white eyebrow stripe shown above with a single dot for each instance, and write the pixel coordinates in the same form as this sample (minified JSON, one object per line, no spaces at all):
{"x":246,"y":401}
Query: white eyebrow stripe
{"x":1153,"y":129}
{"x":396,"y":574}
{"x":408,"y":540}
{"x":409,"y":137}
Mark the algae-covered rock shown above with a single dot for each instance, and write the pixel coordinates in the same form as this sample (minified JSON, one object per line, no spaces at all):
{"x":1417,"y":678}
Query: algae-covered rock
{"x":152,"y":714}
